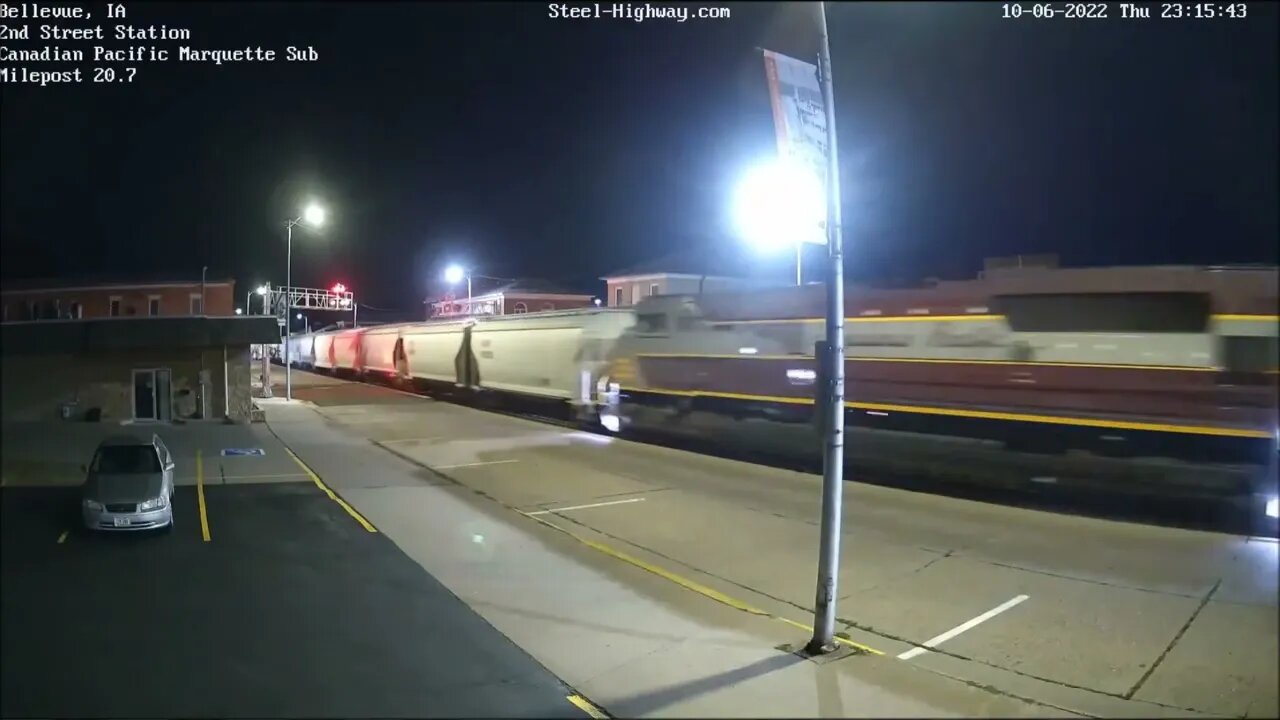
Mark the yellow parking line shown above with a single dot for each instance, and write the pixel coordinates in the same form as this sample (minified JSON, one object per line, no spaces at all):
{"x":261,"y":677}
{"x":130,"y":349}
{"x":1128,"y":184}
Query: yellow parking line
{"x":204,"y":518}
{"x":332,"y":495}
{"x":63,"y":537}
{"x":588,"y":707}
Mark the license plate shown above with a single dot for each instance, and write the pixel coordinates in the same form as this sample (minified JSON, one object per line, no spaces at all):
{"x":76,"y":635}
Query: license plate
{"x":122,"y":522}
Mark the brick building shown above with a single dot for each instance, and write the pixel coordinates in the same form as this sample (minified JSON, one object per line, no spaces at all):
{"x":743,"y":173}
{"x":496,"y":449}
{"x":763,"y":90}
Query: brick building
{"x":24,"y":301}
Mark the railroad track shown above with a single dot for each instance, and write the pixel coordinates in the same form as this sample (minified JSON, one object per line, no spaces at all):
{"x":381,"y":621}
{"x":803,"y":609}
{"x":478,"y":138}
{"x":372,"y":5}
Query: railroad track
{"x":1155,"y":510}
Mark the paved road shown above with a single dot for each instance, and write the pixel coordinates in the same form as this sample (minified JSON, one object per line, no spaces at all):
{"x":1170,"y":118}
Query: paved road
{"x":292,"y":609}
{"x":1028,"y":601}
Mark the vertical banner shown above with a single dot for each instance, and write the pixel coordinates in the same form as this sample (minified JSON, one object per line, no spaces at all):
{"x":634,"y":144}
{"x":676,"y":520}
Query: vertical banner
{"x":799,"y":119}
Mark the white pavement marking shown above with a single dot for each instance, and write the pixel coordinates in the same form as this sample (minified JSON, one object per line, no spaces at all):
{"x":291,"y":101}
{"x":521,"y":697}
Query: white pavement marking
{"x":583,"y":507}
{"x":412,"y":440}
{"x":935,"y":641}
{"x":474,"y":464}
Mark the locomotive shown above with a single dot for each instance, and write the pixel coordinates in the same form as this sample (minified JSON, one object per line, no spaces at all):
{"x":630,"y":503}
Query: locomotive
{"x":1138,"y":380}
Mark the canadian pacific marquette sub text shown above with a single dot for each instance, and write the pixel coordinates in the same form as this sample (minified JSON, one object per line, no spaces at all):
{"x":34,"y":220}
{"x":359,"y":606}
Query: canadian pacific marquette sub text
{"x":149,"y":53}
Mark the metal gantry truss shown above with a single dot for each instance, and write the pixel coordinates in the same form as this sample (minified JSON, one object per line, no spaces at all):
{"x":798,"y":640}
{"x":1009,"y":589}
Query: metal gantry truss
{"x":283,"y":300}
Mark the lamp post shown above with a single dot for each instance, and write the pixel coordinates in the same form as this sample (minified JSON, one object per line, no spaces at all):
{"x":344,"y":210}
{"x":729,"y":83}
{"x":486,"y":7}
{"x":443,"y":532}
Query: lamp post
{"x":314,"y":217}
{"x":453,"y":274}
{"x":780,"y":204}
{"x":824,"y":620}
{"x":248,"y":296}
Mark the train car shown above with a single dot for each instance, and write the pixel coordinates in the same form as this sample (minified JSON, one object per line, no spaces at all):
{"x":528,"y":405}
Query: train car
{"x":556,"y":355}
{"x":1098,"y":376}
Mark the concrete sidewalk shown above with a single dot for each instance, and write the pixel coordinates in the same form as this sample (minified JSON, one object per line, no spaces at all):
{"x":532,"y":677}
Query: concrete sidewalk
{"x":636,"y":643}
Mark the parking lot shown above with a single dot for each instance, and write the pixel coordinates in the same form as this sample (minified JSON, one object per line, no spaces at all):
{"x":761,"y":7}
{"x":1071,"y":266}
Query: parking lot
{"x":268,"y":598}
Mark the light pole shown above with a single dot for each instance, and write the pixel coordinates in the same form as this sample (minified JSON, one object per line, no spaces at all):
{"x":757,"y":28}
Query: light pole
{"x":314,"y":216}
{"x":453,"y":274}
{"x":824,"y":621}
{"x":779,"y":204}
{"x":248,"y":296}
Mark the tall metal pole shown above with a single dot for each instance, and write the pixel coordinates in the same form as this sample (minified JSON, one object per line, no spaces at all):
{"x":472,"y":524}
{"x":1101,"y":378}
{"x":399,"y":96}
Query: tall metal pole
{"x":824,"y":621}
{"x":799,"y":264}
{"x":288,"y":326}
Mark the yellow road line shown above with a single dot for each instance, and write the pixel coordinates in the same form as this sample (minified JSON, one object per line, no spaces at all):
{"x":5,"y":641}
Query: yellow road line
{"x":981,"y":414}
{"x":63,"y":537}
{"x":204,"y":516}
{"x":684,"y":582}
{"x":933,"y":361}
{"x":588,"y":707}
{"x":332,"y":495}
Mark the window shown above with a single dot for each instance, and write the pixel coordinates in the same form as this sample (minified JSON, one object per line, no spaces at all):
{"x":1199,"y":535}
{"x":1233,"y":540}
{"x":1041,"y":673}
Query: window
{"x":651,"y":324}
{"x":77,"y":311}
{"x":197,"y":305}
{"x":114,"y":307}
{"x":653,"y":289}
{"x":153,"y":305}
{"x":617,"y":297}
{"x":521,"y":308}
{"x":127,"y":460}
{"x":1171,"y":312}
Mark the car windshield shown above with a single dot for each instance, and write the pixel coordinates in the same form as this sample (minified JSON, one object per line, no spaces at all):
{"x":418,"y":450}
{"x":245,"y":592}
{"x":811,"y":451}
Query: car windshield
{"x":127,"y":459}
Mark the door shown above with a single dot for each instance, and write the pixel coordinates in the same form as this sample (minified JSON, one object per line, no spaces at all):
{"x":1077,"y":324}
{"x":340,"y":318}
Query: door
{"x":144,"y":394}
{"x":164,"y":395}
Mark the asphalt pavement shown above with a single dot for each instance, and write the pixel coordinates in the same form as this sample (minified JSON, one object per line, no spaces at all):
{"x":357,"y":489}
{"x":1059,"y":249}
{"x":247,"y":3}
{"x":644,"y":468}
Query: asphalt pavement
{"x":291,"y":608}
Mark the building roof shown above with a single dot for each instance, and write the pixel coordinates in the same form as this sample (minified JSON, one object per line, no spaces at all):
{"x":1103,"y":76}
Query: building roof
{"x":527,"y":286}
{"x":102,"y":281}
{"x":128,"y":333}
{"x":702,"y":257}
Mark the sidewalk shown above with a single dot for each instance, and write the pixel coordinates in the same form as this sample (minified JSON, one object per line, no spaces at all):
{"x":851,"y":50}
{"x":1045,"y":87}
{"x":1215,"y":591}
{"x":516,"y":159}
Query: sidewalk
{"x":633,"y":642}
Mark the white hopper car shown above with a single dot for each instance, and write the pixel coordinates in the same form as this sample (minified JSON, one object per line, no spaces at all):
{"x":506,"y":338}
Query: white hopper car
{"x":555,"y":355}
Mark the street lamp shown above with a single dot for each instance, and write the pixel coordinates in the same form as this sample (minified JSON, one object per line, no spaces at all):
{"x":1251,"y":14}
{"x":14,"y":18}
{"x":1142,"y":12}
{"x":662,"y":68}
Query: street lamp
{"x":782,"y":205}
{"x":779,"y":203}
{"x":313,"y":217}
{"x":248,"y":296}
{"x":454,"y":274}
{"x":239,"y":311}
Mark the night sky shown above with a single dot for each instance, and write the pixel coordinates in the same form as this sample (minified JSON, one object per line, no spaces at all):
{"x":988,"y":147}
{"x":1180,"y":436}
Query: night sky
{"x":564,"y":149}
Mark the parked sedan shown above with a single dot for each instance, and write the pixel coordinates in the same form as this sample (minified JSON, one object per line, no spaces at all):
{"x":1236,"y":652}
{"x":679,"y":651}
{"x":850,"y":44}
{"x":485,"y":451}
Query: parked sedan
{"x":129,"y":485}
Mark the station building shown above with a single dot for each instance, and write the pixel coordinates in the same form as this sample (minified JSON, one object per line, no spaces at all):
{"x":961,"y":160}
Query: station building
{"x":130,"y":368}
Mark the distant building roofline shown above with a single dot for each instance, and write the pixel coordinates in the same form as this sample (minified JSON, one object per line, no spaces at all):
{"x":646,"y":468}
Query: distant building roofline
{"x":16,"y":287}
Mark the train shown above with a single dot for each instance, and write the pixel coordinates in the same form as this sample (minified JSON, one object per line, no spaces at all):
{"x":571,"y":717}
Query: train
{"x":1142,"y":381}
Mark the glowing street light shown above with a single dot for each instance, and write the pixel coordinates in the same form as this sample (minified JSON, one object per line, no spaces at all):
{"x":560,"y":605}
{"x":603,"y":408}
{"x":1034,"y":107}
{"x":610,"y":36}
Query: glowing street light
{"x":248,"y":306}
{"x":780,"y":204}
{"x":313,"y":216}
{"x":239,"y":311}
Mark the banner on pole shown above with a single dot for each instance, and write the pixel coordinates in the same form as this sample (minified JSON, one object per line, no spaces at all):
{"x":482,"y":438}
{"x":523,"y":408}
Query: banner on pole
{"x":799,"y":119}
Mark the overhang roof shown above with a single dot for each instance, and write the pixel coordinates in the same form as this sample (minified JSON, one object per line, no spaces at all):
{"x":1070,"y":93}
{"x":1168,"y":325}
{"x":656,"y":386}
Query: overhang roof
{"x":42,"y":337}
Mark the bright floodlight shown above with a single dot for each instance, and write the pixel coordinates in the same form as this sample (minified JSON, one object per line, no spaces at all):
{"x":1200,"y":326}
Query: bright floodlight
{"x":314,"y":215}
{"x":239,"y":311}
{"x":454,"y":273}
{"x":263,"y":290}
{"x":778,"y":204}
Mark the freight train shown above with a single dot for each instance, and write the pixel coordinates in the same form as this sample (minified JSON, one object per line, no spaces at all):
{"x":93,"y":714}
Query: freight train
{"x":1140,"y":380}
